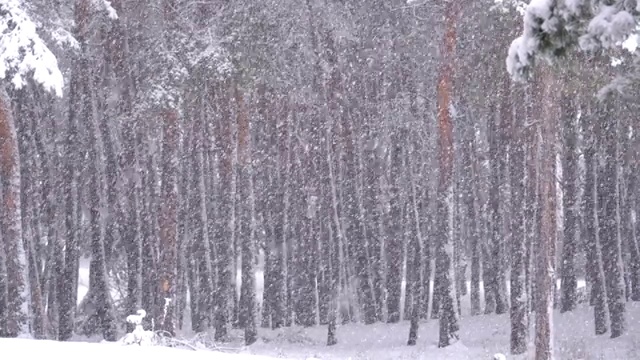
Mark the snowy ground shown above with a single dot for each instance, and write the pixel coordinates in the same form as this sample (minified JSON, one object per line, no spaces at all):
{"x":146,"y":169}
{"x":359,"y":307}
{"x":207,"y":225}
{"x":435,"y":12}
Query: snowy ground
{"x":481,"y":338}
{"x":44,"y":349}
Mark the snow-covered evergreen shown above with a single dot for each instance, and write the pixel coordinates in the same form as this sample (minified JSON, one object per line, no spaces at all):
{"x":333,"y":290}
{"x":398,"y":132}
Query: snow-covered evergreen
{"x":23,"y":53}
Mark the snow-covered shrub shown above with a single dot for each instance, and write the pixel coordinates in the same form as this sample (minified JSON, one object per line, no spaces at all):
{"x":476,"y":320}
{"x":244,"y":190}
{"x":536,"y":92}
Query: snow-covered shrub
{"x":139,"y":335}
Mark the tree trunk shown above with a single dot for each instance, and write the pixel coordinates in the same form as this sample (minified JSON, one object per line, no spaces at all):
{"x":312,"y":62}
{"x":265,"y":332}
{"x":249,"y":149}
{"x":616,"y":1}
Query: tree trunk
{"x":449,"y":324}
{"x":545,"y":251}
{"x":30,"y":216}
{"x":498,"y":172}
{"x":16,"y":306}
{"x":129,"y":215}
{"x":633,"y":202}
{"x":168,"y":223}
{"x":394,"y":243}
{"x":415,"y":285}
{"x":597,"y":297}
{"x":570,"y":173}
{"x":519,"y":294}
{"x":608,"y":221}
{"x":98,"y":285}
{"x":224,"y":235}
{"x":246,"y":197}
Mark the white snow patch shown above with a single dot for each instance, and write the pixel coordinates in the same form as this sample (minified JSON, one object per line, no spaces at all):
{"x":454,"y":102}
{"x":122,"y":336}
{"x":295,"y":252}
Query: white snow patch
{"x":608,"y":28}
{"x":22,"y":51}
{"x":631,"y":44}
{"x":44,"y":349}
{"x":106,"y":6}
{"x":615,"y":61}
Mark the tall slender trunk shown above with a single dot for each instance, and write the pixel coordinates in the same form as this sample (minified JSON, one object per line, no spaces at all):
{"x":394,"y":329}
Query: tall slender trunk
{"x":201,"y":239}
{"x":608,"y":220}
{"x":246,"y":197}
{"x":468,"y":186}
{"x":120,"y":52}
{"x":276,"y":286}
{"x":633,"y":202}
{"x":335,"y":238}
{"x":415,"y":285}
{"x":498,"y":146}
{"x":394,"y":243}
{"x":570,"y":172}
{"x":150,"y":232}
{"x":224,"y":235}
{"x":449,"y":323}
{"x":78,"y":109}
{"x":15,"y":262}
{"x":98,"y":284}
{"x":168,"y":223}
{"x":597,"y":297}
{"x":545,"y":263}
{"x":30,"y":203}
{"x":519,"y":294}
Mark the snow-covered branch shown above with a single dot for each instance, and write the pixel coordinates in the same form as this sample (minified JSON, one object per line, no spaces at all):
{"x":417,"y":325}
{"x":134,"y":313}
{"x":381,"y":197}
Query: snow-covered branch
{"x":23,"y":52}
{"x":552,"y":27}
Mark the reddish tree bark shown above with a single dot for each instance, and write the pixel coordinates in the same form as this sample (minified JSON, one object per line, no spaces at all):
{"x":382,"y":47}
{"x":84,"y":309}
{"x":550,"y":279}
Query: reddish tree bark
{"x":449,"y":324}
{"x":11,"y":224}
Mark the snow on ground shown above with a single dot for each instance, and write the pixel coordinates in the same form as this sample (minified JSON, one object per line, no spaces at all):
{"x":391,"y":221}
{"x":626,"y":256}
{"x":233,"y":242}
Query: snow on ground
{"x":45,"y":349}
{"x":481,"y":338}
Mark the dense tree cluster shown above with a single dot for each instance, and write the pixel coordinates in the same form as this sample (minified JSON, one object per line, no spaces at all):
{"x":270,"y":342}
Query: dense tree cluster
{"x":340,"y":148}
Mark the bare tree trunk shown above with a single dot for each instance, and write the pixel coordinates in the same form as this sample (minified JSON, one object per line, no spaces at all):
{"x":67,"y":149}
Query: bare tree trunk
{"x":449,"y":323}
{"x":569,"y":282}
{"x":519,"y":294}
{"x":16,"y":301}
{"x":201,"y":241}
{"x":415,"y":244}
{"x":130,"y":233}
{"x":68,"y":279}
{"x":336,"y":237}
{"x":394,"y":243}
{"x":30,"y":214}
{"x":608,"y":221}
{"x":633,"y":202}
{"x":545,"y":282}
{"x":247,"y":234}
{"x":498,"y":147}
{"x":168,"y":223}
{"x":99,"y":293}
{"x":415,"y":285}
{"x":224,"y":235}
{"x":597,"y":297}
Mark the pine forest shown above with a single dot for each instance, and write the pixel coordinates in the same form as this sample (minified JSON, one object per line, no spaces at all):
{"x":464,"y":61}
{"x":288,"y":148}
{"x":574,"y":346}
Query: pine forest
{"x":224,"y":170}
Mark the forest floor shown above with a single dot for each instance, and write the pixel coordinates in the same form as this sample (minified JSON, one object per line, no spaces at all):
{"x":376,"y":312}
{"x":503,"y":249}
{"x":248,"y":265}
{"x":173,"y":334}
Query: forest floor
{"x":46,"y":349}
{"x":481,"y":338}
